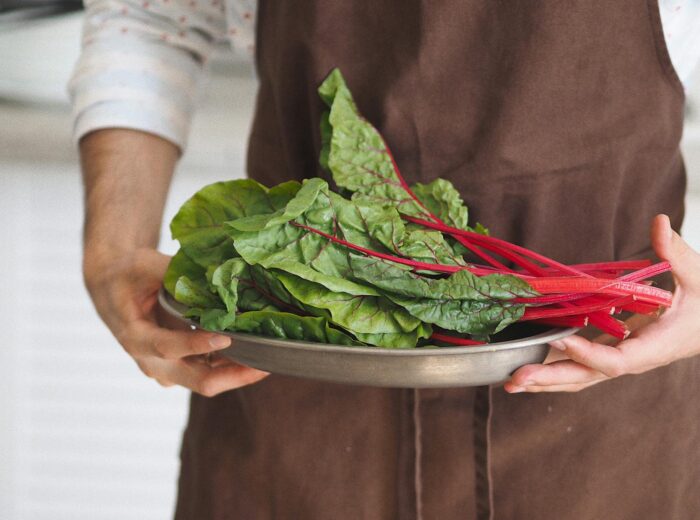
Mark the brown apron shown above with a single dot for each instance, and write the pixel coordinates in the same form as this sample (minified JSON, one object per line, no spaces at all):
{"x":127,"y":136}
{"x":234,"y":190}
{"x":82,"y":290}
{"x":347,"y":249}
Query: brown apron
{"x":559,"y":122}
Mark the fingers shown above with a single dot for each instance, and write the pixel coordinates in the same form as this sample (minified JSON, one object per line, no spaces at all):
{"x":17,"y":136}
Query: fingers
{"x":554,"y":355}
{"x":199,"y":377}
{"x":559,"y":373}
{"x":652,"y":345}
{"x":552,"y":388}
{"x":145,"y":338}
{"x":587,"y":363}
{"x":601,"y":358}
{"x":669,"y":245}
{"x":212,"y":359}
{"x":645,"y":350}
{"x":209,"y":381}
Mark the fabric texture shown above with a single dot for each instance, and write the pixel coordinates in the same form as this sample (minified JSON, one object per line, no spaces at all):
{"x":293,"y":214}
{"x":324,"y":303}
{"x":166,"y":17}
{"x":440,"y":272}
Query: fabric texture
{"x":559,"y":123}
{"x":143,"y":62}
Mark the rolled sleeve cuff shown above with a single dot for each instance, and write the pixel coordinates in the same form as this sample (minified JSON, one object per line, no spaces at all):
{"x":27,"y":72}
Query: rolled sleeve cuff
{"x":138,"y":85}
{"x":134,"y":116}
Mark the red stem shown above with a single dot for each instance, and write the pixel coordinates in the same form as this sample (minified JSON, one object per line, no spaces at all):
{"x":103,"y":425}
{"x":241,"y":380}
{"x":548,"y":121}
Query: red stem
{"x":518,"y":260}
{"x":605,"y":323}
{"x":647,"y":272}
{"x":442,"y":268}
{"x":542,"y":285}
{"x":564,"y":321}
{"x":641,"y":308}
{"x":535,"y":313}
{"x":455,"y":340}
{"x":617,"y":265}
{"x":609,"y":325}
{"x":484,"y":256}
{"x":619,"y":286}
{"x":479,"y":238}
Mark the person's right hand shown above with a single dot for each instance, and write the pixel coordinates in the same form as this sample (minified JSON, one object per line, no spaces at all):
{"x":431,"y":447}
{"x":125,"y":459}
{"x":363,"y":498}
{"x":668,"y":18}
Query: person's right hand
{"x":124,"y":289}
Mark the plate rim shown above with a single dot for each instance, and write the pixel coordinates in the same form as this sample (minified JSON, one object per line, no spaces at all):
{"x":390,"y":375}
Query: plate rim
{"x":169,"y":305}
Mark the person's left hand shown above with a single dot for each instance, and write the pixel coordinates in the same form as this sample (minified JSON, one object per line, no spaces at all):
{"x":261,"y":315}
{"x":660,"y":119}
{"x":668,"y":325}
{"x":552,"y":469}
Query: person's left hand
{"x":580,"y":363}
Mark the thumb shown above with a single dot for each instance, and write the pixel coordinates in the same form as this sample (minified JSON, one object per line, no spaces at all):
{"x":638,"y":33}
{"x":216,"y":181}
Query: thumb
{"x":669,"y":246}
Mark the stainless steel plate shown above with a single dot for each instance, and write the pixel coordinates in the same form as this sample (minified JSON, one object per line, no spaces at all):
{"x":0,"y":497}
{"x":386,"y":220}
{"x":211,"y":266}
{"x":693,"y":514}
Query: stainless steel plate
{"x":371,"y":366}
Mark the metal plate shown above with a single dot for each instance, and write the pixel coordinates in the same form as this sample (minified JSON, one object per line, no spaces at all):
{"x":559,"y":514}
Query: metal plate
{"x":371,"y":366}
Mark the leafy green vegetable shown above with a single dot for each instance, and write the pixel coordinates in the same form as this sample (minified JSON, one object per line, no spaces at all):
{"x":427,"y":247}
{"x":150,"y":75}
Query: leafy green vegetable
{"x":290,"y":326}
{"x":181,"y":265}
{"x":360,"y":313}
{"x":468,"y":316}
{"x":461,"y":285}
{"x":442,"y":199}
{"x":355,"y":152}
{"x":198,"y":226}
{"x":361,"y":162}
{"x":461,"y":302}
{"x":278,"y":264}
{"x":195,"y":294}
{"x":273,"y":242}
{"x":299,"y":261}
{"x":241,"y":286}
{"x":284,"y":261}
{"x":203,"y":304}
{"x":280,"y":240}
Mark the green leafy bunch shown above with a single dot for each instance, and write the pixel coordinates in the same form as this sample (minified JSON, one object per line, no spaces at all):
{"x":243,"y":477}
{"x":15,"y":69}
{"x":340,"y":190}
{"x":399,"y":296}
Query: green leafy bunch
{"x":302,"y":262}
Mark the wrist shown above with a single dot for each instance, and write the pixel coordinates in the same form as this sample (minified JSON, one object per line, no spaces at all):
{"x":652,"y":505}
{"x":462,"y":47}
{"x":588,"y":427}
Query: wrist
{"x":102,"y":263}
{"x":127,"y":174}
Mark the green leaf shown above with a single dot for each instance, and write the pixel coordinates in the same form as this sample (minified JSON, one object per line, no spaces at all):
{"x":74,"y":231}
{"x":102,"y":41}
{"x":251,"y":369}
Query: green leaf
{"x":212,"y":319}
{"x":361,"y":162}
{"x":402,"y":340}
{"x":241,"y":286}
{"x":302,"y":200}
{"x":290,"y":326}
{"x":225,"y":280}
{"x":198,"y":225}
{"x":461,"y":302}
{"x":384,"y":224}
{"x":252,"y":288}
{"x":194,"y":293}
{"x":481,"y":229}
{"x":356,"y":153}
{"x":429,"y":246}
{"x":444,"y":201}
{"x":275,"y":242}
{"x":203,"y":304}
{"x":278,"y":240}
{"x":462,"y":285}
{"x":465,"y":316}
{"x":373,"y":319}
{"x":326,"y":132}
{"x":181,"y":265}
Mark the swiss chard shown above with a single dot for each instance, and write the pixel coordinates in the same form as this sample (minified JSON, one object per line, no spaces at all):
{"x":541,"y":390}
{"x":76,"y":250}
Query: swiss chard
{"x":299,"y":261}
{"x":198,"y":226}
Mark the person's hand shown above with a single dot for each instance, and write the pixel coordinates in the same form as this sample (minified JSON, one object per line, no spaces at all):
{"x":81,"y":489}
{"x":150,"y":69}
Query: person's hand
{"x":124,"y":289}
{"x":674,"y":336}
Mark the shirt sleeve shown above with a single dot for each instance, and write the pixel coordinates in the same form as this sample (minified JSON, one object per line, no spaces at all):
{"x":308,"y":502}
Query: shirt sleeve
{"x":680,"y":20}
{"x":141,"y":64}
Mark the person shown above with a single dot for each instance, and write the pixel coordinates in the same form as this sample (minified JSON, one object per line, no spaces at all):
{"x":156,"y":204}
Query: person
{"x":560,"y":125}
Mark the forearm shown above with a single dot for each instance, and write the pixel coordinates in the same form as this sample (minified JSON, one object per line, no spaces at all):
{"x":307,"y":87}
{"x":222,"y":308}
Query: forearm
{"x":126,"y":175}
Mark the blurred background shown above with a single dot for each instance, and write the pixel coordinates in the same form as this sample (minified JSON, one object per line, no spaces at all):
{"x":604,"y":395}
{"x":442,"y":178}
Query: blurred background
{"x":83,"y":435}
